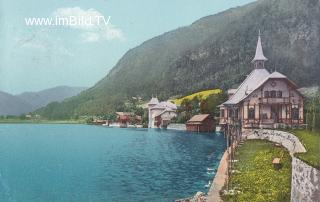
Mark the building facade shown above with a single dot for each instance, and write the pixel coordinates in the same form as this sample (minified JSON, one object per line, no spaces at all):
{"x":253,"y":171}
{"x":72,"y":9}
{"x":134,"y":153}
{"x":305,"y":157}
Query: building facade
{"x":160,"y":113}
{"x":263,"y":100}
{"x":201,"y":123}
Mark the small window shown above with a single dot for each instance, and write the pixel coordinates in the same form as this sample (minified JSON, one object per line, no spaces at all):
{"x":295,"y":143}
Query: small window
{"x":231,"y":114}
{"x":279,"y":94}
{"x":222,"y":113}
{"x":251,"y":113}
{"x":264,"y":116}
{"x":236,"y":111}
{"x":266,"y":94}
{"x":273,"y":94}
{"x":295,"y":113}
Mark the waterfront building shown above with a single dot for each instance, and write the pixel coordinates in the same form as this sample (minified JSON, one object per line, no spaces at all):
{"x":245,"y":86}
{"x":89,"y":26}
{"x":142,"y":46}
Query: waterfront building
{"x":160,"y":113}
{"x":124,"y":119}
{"x":201,"y":123}
{"x":263,"y":100}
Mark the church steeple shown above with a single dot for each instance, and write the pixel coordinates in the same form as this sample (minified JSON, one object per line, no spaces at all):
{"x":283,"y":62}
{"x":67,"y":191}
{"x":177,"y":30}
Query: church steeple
{"x":259,"y":58}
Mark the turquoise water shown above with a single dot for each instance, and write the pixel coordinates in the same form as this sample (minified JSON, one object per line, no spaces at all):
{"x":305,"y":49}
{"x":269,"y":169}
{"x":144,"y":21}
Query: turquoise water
{"x":78,"y":163}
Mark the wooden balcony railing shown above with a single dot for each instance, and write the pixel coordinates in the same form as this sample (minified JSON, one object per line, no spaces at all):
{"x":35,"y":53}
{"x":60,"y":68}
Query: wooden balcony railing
{"x":283,"y":100}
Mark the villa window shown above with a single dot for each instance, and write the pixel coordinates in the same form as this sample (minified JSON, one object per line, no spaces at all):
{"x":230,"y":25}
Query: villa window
{"x":279,"y":94}
{"x":295,"y":113}
{"x":222,"y":113}
{"x":273,"y":94}
{"x":251,"y":113}
{"x":231,"y":113}
{"x":266,"y":94}
{"x":236,"y":111}
{"x":264,"y":116}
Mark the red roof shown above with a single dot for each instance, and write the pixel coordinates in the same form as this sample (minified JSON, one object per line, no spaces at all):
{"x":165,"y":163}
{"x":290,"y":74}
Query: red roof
{"x":124,"y":117}
{"x":198,"y":118}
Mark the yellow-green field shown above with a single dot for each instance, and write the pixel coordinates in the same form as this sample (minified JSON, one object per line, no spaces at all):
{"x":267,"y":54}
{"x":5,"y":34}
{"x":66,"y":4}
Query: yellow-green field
{"x":201,"y":94}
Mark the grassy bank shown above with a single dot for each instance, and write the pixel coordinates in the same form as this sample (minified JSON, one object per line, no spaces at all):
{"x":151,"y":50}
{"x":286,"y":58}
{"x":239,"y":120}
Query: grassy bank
{"x":201,"y":95}
{"x":259,"y":180}
{"x":311,"y":141}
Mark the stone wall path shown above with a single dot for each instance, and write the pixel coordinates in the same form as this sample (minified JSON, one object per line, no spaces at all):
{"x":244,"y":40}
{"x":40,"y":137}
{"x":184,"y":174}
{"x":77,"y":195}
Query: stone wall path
{"x":219,"y":180}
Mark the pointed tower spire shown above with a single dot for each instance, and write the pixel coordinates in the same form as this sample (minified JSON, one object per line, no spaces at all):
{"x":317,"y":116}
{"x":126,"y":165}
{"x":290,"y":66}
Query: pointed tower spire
{"x":259,"y":57}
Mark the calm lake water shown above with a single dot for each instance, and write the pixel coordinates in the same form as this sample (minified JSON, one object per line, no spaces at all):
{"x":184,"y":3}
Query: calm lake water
{"x":78,"y":163}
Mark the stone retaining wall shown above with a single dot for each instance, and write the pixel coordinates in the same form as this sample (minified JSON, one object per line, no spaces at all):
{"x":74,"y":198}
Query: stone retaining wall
{"x":305,"y":179}
{"x":305,"y":182}
{"x":289,"y":141}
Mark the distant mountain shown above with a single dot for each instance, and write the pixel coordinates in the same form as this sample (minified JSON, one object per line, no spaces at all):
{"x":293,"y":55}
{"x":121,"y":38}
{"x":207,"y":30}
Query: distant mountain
{"x":214,"y":52}
{"x":30,"y":101}
{"x":12,"y":105}
{"x":44,"y":97}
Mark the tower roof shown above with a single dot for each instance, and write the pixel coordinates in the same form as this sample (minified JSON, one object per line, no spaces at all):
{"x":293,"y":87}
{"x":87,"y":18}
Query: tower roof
{"x":153,"y":101}
{"x":259,"y":52}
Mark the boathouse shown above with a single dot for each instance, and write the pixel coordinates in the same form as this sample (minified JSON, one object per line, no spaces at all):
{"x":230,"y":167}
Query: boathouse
{"x":264,"y":99}
{"x":201,"y":123}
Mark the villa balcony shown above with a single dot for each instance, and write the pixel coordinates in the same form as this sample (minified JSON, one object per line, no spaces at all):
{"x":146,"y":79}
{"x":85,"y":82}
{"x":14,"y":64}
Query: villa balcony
{"x":283,"y":100}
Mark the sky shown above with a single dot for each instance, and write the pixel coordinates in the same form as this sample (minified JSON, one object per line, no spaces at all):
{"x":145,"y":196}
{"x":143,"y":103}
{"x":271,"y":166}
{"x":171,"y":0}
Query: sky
{"x":34,"y":58}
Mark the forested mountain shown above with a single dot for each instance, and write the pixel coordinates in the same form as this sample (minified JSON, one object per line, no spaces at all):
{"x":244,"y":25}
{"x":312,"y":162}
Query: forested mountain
{"x":213,"y":52}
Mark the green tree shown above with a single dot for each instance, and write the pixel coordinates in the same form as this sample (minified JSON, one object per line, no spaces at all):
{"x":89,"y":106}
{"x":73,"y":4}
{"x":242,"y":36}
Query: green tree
{"x":313,"y":113}
{"x":210,"y":104}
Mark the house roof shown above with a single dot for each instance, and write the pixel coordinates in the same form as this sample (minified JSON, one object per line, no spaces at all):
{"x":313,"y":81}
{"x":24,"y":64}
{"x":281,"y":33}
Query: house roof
{"x":125,"y":113}
{"x":165,"y":105}
{"x":153,"y":101}
{"x":259,"y":52}
{"x":232,"y":91}
{"x":278,"y":75}
{"x":248,"y":85}
{"x":198,"y":118}
{"x":164,"y":111}
{"x":253,"y":84}
{"x":123,"y":117}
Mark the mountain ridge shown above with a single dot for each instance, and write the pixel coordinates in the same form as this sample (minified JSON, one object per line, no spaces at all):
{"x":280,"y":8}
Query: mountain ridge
{"x":11,"y":105}
{"x":29,"y":101}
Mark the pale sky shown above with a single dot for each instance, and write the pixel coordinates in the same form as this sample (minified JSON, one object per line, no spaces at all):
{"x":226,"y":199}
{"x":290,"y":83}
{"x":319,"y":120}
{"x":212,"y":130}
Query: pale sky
{"x":33,"y":58}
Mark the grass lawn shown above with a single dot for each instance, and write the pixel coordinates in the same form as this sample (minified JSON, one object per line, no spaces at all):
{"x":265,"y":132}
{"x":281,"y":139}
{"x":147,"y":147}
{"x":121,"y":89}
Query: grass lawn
{"x":202,"y":94}
{"x":259,"y":180}
{"x":311,"y":141}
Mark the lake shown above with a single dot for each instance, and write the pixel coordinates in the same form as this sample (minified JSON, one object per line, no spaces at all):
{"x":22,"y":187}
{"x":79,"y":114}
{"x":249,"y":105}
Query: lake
{"x":65,"y":163}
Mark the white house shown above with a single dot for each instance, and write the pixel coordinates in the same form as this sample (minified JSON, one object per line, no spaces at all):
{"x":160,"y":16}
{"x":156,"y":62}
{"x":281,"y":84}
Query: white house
{"x":160,"y":113}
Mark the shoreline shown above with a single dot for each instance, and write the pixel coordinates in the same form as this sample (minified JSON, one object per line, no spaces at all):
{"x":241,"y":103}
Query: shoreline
{"x":219,"y":180}
{"x":40,"y":122}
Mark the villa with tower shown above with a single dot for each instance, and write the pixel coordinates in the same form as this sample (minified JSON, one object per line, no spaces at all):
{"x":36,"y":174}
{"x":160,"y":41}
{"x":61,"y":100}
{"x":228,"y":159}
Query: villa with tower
{"x":160,"y":113}
{"x":264,"y":99}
